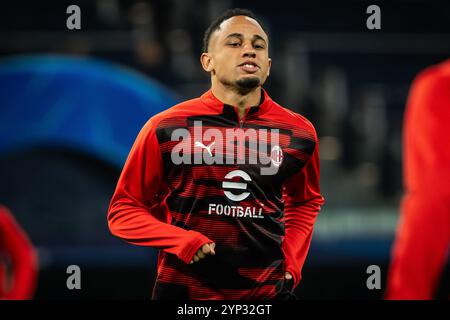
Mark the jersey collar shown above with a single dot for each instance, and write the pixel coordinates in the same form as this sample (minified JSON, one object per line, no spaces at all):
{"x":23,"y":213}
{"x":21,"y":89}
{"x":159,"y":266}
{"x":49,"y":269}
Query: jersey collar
{"x":264,"y":105}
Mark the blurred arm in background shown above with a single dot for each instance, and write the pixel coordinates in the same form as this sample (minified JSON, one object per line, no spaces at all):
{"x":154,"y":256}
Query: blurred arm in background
{"x":421,"y":246}
{"x":15,"y":244}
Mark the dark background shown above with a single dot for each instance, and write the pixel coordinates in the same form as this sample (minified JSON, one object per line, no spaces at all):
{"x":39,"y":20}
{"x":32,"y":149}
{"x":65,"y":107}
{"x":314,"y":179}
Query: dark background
{"x":351,"y":82}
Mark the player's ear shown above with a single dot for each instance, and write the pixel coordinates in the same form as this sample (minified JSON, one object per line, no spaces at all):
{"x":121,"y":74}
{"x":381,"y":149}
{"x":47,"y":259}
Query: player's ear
{"x":268,"y":69}
{"x":206,"y":61}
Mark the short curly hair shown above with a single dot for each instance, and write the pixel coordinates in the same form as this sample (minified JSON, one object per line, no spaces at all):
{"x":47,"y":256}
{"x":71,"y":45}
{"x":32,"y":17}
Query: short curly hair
{"x":215,"y":25}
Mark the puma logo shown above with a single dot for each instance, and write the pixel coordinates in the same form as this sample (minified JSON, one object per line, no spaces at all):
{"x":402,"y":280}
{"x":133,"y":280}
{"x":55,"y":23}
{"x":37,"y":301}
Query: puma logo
{"x":208,"y":148}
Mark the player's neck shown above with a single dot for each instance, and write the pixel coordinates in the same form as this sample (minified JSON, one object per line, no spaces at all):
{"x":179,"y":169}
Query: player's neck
{"x":234,"y":98}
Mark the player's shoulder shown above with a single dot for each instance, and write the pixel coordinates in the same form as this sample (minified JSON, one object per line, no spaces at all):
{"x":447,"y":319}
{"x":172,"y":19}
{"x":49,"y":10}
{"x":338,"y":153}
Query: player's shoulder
{"x":172,"y":116}
{"x":293,"y":119}
{"x":180,"y":110}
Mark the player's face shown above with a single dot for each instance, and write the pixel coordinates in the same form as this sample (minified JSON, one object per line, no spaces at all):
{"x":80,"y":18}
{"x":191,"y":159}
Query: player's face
{"x":238,"y":53}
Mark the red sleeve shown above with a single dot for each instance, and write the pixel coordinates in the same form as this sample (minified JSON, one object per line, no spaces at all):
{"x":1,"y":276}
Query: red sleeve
{"x":302,"y":201}
{"x":16,"y":245}
{"x":135,"y":213}
{"x":421,"y":245}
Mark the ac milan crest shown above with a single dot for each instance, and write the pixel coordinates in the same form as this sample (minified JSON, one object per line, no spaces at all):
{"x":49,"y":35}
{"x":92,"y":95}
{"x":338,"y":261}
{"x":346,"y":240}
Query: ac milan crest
{"x":276,"y":156}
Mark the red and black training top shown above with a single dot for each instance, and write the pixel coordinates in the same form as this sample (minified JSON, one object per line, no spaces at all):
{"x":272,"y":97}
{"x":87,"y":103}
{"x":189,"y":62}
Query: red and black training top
{"x":261,"y":223}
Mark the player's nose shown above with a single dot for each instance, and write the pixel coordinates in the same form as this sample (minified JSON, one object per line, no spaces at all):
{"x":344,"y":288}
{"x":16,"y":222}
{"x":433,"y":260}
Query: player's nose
{"x":249,"y":54}
{"x":248,"y":51}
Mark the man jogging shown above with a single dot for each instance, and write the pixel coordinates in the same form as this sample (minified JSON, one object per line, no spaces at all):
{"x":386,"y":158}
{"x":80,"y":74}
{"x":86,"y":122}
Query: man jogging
{"x":226,"y":185}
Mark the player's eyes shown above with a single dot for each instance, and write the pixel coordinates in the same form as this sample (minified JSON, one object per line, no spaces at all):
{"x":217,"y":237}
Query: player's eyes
{"x":259,"y":46}
{"x":237,"y":44}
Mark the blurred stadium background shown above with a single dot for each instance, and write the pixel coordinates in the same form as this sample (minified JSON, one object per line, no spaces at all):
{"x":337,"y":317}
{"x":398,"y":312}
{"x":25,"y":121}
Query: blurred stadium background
{"x":72,"y":102}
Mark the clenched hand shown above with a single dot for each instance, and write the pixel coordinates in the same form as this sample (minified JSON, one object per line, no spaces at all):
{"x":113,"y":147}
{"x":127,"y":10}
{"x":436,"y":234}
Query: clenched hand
{"x":206,"y":249}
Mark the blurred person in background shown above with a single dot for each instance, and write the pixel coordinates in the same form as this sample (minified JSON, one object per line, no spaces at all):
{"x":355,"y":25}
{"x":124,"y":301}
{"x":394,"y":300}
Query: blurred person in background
{"x":224,"y":230}
{"x":18,"y":260}
{"x":421,"y":247}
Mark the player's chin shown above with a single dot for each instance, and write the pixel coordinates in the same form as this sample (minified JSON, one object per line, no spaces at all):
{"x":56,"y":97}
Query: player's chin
{"x":248,"y":81}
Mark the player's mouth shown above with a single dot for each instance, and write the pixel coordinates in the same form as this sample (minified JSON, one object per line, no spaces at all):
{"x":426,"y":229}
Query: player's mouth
{"x":249,"y":66}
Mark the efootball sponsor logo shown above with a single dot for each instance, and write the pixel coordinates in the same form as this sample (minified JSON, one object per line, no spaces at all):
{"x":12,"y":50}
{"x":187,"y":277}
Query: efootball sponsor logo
{"x":236,"y":191}
{"x":227,"y":185}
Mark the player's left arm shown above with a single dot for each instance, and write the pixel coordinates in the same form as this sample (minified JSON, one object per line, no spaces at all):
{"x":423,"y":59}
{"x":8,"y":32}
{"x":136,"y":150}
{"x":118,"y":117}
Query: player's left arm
{"x":302,"y":199}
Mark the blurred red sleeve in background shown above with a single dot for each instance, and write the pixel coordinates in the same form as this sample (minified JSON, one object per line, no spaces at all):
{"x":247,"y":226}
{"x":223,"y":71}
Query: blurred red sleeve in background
{"x":15,"y":245}
{"x":421,"y":246}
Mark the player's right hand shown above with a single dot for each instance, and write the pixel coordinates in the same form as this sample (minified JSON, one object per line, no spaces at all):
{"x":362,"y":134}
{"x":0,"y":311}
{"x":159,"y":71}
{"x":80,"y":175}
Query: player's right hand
{"x":206,"y":249}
